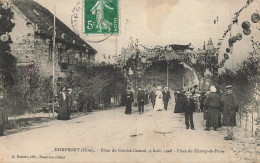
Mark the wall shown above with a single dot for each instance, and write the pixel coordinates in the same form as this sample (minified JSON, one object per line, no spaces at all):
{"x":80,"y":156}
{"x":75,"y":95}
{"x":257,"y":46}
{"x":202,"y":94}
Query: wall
{"x":28,"y":47}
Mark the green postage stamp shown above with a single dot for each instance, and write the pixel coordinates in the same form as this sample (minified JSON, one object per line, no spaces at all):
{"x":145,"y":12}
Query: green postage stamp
{"x":101,"y":17}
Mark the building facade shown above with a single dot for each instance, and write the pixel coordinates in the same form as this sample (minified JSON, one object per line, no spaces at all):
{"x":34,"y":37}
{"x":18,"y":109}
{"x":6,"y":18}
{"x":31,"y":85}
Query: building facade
{"x":32,"y":44}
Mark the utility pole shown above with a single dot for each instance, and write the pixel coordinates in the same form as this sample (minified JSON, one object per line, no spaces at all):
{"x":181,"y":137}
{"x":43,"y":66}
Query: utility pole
{"x":53,"y":59}
{"x":167,"y":74}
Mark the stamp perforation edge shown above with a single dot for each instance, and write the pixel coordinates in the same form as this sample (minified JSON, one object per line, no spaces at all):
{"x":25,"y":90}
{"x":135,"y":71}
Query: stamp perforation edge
{"x":101,"y":34}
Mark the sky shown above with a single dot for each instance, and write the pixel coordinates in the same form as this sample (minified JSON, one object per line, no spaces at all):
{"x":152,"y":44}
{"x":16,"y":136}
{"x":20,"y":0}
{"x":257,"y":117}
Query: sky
{"x":164,"y":22}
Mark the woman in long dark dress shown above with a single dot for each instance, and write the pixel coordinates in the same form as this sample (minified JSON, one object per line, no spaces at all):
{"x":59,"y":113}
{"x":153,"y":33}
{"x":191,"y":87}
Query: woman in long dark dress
{"x":64,"y":112}
{"x":212,"y":103}
{"x":179,"y":102}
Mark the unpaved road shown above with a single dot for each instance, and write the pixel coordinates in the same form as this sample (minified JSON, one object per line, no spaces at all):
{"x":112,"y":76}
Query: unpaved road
{"x":112,"y":136}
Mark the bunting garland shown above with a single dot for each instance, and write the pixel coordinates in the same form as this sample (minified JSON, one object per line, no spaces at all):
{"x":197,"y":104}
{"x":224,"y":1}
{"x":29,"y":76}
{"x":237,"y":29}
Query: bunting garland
{"x":234,"y":21}
{"x":255,"y":17}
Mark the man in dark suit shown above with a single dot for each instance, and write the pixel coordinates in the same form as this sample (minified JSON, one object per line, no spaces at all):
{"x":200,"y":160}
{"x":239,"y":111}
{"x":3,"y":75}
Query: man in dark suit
{"x":153,"y":96}
{"x":129,"y":100}
{"x":189,"y":109}
{"x":166,"y":97}
{"x":140,"y":100}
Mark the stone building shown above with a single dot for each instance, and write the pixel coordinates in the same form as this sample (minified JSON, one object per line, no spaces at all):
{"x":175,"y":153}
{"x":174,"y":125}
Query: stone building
{"x":32,"y":38}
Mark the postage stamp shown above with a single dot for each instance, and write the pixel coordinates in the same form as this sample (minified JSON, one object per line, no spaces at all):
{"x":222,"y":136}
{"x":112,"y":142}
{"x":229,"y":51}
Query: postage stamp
{"x":101,"y":17}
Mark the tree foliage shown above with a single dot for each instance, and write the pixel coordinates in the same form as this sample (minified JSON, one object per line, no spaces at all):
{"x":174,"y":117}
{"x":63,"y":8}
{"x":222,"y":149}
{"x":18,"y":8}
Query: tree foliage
{"x":7,"y":60}
{"x":99,"y":82}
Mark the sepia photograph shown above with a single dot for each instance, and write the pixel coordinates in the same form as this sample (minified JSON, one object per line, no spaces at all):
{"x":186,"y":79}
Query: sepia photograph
{"x":129,"y":81}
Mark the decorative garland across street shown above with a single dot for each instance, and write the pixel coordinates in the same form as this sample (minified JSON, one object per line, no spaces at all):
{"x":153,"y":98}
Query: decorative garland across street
{"x":246,"y":25}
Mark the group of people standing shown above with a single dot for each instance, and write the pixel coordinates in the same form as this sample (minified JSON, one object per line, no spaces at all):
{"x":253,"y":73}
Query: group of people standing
{"x":159,"y":99}
{"x":212,"y":104}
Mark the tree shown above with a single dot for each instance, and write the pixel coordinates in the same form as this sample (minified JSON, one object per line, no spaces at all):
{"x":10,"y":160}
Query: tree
{"x":7,"y":60}
{"x":96,"y":84}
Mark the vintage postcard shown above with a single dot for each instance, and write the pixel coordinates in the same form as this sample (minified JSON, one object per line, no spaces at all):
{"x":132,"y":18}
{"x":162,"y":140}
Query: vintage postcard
{"x":129,"y":81}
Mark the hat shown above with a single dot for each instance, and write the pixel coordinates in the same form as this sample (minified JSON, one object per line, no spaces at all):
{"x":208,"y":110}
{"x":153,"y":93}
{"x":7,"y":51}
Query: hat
{"x":228,"y":86}
{"x":129,"y":88}
{"x":165,"y":87}
{"x":159,"y":87}
{"x":213,"y":89}
{"x":69,"y":89}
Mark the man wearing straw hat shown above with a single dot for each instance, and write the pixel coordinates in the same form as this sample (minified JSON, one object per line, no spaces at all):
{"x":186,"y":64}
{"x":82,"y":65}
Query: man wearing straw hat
{"x":230,"y":107}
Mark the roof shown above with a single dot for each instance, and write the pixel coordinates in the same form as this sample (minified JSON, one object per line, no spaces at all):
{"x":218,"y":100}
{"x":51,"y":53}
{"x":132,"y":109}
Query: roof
{"x":43,"y":18}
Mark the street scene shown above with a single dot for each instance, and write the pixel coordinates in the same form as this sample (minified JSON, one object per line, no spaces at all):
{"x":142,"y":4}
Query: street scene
{"x":89,"y":81}
{"x":162,"y":132}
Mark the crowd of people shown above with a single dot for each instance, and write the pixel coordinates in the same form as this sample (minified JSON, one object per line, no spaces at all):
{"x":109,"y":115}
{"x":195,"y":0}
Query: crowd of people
{"x":212,"y":103}
{"x":158,"y":98}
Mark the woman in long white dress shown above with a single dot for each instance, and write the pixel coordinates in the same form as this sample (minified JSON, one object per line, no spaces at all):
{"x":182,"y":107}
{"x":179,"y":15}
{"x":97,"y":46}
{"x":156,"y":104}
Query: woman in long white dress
{"x":159,"y":100}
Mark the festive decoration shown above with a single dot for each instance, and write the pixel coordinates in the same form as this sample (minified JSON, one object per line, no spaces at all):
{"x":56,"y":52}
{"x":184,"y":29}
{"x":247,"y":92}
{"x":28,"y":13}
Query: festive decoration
{"x":234,"y":20}
{"x":227,"y":50}
{"x":4,"y":37}
{"x":246,"y":25}
{"x":247,"y":32}
{"x":37,"y":41}
{"x":255,"y":17}
{"x":234,"y":39}
{"x":63,"y":35}
{"x":193,"y":60}
{"x":48,"y":41}
{"x":226,"y":56}
{"x":239,"y":36}
{"x":5,"y":6}
{"x":59,"y":45}
{"x":230,"y":42}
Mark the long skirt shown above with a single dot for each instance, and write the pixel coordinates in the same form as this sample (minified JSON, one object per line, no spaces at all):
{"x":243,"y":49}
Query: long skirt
{"x":1,"y":130}
{"x":178,"y":107}
{"x":205,"y":114}
{"x":212,"y":117}
{"x":159,"y":105}
{"x":64,"y":112}
{"x":128,"y":108}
